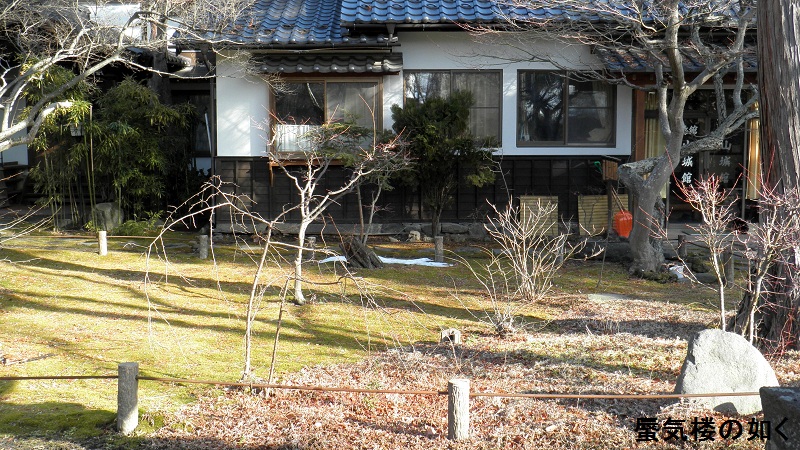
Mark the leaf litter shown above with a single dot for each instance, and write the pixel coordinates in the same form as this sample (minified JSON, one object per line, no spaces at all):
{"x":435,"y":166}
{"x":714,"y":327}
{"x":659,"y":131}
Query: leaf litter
{"x":597,"y":345}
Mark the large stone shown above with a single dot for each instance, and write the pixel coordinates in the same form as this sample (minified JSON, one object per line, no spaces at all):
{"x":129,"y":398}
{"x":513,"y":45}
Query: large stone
{"x":107,"y":216}
{"x":392,"y":228}
{"x":457,"y":238}
{"x":782,"y":411}
{"x":427,"y":229}
{"x":718,"y":362}
{"x":453,"y":228}
{"x":407,"y":227}
{"x":478,"y":232}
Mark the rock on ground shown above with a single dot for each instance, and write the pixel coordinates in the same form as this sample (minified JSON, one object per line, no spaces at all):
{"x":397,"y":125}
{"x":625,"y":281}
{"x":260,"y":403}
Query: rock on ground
{"x":108,"y":216}
{"x":718,"y":361}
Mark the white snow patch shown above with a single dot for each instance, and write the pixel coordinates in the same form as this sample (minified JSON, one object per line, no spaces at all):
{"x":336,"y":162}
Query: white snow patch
{"x":414,"y":262}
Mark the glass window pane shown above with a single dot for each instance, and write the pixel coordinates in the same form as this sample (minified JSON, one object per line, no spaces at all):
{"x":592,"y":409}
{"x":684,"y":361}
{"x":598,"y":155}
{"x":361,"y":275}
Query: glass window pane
{"x":299,"y":109}
{"x":485,"y":87}
{"x":584,"y":94}
{"x":485,"y":123}
{"x":301,"y":103}
{"x":591,"y":118}
{"x":591,"y":126}
{"x":420,"y":86}
{"x":540,"y":112}
{"x":355,"y":102}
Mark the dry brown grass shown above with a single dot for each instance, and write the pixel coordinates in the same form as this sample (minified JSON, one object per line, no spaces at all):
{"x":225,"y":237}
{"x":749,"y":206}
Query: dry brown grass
{"x":596,"y":345}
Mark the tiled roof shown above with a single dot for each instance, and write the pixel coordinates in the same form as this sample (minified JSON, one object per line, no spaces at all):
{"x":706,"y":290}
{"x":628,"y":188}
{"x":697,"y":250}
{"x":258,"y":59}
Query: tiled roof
{"x":296,"y":22}
{"x":418,"y":11}
{"x":330,"y":22}
{"x":467,"y":11}
{"x":326,"y":63}
{"x":321,"y":22}
{"x":624,"y":59}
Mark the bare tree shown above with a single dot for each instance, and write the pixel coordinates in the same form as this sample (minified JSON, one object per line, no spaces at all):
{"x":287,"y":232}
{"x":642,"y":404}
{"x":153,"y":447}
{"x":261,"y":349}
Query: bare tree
{"x":521,"y":273}
{"x":37,"y":35}
{"x":686,"y":45}
{"x":715,"y":205}
{"x":324,"y":147}
{"x":771,"y":249}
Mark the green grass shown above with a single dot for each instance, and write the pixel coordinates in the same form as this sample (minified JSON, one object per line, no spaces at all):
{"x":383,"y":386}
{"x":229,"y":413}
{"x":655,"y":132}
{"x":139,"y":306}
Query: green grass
{"x":82,"y":314}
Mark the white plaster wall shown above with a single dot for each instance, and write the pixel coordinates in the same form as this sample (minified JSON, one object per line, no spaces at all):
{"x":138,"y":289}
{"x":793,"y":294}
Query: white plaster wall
{"x":458,"y":50}
{"x":18,"y":153}
{"x":242,"y":111}
{"x":242,"y":101}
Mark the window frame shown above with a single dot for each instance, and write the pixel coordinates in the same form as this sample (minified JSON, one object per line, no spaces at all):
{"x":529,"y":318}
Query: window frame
{"x":378,"y":110}
{"x":499,"y":72}
{"x":565,"y":75}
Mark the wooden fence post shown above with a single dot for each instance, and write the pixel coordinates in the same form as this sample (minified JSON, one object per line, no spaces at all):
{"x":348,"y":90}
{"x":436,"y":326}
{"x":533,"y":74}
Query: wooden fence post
{"x":202,"y":249}
{"x":127,"y":397}
{"x":438,"y":249}
{"x":102,"y":239}
{"x":458,"y":409}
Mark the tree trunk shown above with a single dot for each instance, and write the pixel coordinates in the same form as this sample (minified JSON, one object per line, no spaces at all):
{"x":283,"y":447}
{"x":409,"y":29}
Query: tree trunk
{"x":646,"y":251}
{"x":778,"y":321}
{"x":359,"y":255}
{"x":299,"y":298}
{"x":646,"y":235}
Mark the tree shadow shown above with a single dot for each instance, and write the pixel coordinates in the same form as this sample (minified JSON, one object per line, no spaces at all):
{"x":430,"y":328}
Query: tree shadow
{"x":654,"y":329}
{"x":72,"y":426}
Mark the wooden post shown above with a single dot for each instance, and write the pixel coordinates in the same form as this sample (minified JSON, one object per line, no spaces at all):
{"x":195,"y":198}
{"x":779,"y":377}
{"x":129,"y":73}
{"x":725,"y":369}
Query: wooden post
{"x":202,"y":249}
{"x":727,"y":261}
{"x":458,"y":409}
{"x":438,"y":249}
{"x":682,"y":254}
{"x":102,"y":239}
{"x":450,"y":336}
{"x":127,"y":397}
{"x":610,"y":204}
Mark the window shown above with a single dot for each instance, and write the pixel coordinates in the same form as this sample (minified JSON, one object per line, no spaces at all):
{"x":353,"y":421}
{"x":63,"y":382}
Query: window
{"x":554,"y":109}
{"x":485,"y":86}
{"x":303,"y":106}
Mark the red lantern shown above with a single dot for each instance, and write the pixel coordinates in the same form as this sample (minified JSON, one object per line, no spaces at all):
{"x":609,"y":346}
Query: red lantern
{"x":623,"y":223}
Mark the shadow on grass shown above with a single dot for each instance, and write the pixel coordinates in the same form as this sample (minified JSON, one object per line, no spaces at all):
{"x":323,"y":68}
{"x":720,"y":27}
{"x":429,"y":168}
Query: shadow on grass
{"x":65,"y":420}
{"x":654,"y":329}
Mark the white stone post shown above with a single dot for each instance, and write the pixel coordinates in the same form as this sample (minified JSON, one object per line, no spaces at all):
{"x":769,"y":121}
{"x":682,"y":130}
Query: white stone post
{"x":202,"y":249}
{"x":438,"y":249}
{"x":102,"y":240}
{"x":127,"y":397}
{"x":458,"y":409}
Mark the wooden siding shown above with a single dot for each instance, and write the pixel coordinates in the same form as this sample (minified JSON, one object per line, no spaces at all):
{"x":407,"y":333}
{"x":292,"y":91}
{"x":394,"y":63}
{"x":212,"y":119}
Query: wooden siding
{"x":593,"y":212}
{"x":531,"y":204}
{"x":563,"y":178}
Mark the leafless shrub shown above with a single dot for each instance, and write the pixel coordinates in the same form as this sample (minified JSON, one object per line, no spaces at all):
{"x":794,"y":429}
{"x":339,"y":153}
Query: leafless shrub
{"x":521,"y":272}
{"x":716,"y":206}
{"x":533,"y":249}
{"x":774,"y":239}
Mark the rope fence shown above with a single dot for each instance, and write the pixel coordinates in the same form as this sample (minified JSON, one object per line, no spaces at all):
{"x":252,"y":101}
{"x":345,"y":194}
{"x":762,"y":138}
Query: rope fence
{"x":457,"y":391}
{"x":546,"y":396}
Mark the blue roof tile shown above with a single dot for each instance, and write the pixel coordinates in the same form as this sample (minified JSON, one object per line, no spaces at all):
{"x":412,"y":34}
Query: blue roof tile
{"x":295,"y":22}
{"x":314,"y":22}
